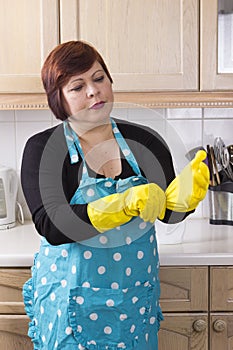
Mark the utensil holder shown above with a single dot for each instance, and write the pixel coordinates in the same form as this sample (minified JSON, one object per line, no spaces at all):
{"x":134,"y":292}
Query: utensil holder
{"x":221,"y":204}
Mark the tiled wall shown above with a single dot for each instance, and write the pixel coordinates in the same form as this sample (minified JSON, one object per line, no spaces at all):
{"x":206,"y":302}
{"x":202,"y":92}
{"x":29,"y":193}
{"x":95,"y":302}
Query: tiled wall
{"x":184,"y":129}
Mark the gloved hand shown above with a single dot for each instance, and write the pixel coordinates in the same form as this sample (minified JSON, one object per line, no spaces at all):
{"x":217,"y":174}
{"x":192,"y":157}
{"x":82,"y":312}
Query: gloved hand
{"x":108,"y":212}
{"x":189,"y":187}
{"x":147,"y":201}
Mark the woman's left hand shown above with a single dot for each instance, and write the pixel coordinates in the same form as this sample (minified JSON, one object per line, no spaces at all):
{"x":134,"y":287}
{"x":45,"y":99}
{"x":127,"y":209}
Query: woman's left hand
{"x":189,"y":187}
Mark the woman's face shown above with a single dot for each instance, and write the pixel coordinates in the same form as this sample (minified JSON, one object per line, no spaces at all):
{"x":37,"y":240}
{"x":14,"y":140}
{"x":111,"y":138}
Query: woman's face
{"x":88,"y":96}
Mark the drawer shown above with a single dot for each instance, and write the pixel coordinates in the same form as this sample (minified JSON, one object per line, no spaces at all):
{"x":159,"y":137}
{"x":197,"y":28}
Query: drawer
{"x":11,"y":283}
{"x":184,"y":288}
{"x":184,"y":331}
{"x":221,"y":288}
{"x":13,"y":333}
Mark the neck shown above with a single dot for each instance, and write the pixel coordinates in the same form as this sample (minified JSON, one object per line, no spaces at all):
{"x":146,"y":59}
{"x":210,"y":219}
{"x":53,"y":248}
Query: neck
{"x":93,"y":135}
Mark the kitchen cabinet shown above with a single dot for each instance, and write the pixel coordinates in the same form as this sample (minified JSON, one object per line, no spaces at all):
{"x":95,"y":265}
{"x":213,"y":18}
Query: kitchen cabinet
{"x":185,"y":308}
{"x":13,"y":330}
{"x":197,"y":307}
{"x":147,"y":45}
{"x":28,"y":31}
{"x":13,"y":321}
{"x":196,"y":303}
{"x":184,"y":332}
{"x":142,"y":51}
{"x":221,"y":307}
{"x":161,"y":54}
{"x":211,"y":78}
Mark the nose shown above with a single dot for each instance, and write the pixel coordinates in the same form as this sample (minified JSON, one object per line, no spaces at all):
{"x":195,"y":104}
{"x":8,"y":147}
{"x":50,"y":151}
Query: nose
{"x":92,"y":90}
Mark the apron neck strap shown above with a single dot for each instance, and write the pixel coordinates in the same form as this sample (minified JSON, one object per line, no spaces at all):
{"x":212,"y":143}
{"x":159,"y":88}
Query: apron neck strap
{"x":74,"y":147}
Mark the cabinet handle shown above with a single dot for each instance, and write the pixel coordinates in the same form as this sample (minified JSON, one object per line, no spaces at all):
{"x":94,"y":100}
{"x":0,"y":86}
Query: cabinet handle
{"x":219,"y":325}
{"x":199,"y":325}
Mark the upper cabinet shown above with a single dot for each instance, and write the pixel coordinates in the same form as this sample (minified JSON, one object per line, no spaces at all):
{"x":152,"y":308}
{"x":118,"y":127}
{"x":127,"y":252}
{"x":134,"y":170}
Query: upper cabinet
{"x":28,"y":31}
{"x":169,"y":53}
{"x":216,"y":41}
{"x":147,"y":45}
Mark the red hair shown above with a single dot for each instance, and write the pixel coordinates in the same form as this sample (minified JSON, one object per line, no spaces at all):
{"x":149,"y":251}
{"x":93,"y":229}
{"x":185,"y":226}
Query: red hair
{"x":64,"y":61}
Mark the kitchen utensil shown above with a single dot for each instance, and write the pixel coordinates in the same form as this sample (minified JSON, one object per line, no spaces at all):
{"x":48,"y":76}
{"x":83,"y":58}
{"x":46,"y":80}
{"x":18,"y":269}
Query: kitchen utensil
{"x":226,"y":163}
{"x":218,"y":149}
{"x":230,"y":150}
{"x":222,"y":156}
{"x":210,"y":165}
{"x":8,"y":193}
{"x":225,"y":157}
{"x":212,"y":155}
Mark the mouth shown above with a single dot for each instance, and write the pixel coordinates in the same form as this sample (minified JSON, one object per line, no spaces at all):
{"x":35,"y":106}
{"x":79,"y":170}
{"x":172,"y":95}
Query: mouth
{"x":98,"y":105}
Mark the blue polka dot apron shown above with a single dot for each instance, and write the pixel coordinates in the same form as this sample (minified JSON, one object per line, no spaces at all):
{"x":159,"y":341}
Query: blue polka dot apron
{"x":102,"y":293}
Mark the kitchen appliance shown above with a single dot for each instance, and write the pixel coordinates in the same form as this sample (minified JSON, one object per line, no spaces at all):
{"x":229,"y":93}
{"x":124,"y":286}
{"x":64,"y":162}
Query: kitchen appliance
{"x":8,"y":193}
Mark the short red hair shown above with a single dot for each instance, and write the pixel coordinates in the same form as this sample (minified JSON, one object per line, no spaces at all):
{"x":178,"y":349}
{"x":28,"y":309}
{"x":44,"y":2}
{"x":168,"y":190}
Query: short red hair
{"x":64,"y":61}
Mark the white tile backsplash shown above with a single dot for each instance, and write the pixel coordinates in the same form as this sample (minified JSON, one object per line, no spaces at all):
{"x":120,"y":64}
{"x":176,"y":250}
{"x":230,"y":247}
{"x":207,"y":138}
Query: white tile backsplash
{"x":184,"y":113}
{"x":33,"y":115}
{"x":23,"y":131}
{"x":183,"y":129}
{"x":213,"y":128}
{"x":7,"y":116}
{"x":184,"y":136}
{"x":218,"y":113}
{"x":7,"y":144}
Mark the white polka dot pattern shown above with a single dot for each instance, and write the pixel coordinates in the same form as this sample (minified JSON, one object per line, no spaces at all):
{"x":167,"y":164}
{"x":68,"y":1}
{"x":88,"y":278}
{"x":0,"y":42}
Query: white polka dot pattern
{"x":105,"y":289}
{"x":90,"y":192}
{"x":116,"y":269}
{"x":126,"y":152}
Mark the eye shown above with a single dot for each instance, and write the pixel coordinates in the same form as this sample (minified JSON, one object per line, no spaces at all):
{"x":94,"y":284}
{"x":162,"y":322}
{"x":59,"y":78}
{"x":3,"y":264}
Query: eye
{"x":99,"y":79}
{"x":77,"y":88}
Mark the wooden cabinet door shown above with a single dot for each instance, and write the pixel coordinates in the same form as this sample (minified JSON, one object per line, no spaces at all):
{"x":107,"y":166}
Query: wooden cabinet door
{"x":13,"y":333}
{"x":221,"y":288}
{"x":28,"y":31}
{"x":221,"y":331}
{"x":147,"y":45}
{"x":11,"y":283}
{"x":184,"y":288}
{"x":210,"y":78}
{"x":184,"y":332}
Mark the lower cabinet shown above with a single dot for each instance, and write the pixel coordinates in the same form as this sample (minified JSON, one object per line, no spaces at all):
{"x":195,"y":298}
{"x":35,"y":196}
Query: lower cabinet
{"x":221,"y":331}
{"x":13,"y":321}
{"x":13,"y":333}
{"x":197,"y":304}
{"x":184,"y":331}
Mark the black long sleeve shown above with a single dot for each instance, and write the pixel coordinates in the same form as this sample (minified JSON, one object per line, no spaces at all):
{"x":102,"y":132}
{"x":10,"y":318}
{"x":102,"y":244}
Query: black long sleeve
{"x":49,"y":180}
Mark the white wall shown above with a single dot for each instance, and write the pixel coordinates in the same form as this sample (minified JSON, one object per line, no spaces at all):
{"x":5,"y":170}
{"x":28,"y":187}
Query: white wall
{"x":190,"y":127}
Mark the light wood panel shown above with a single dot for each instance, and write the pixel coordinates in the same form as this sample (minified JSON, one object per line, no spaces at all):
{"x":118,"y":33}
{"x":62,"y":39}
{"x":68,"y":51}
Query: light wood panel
{"x":223,"y":337}
{"x":13,"y":333}
{"x":184,"y":288}
{"x":11,"y":283}
{"x":210,"y":78}
{"x":147,"y":99}
{"x":28,"y":31}
{"x":178,"y":332}
{"x":221,"y":284}
{"x":147,"y":45}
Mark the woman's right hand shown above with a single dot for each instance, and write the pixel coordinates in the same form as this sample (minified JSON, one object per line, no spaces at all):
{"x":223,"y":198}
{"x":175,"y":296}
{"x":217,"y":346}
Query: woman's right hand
{"x":147,"y":201}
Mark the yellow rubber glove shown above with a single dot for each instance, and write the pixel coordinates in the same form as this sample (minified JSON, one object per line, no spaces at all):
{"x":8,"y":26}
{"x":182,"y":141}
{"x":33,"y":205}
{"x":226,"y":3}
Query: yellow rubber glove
{"x":147,"y":201}
{"x":108,"y":212}
{"x":189,"y":187}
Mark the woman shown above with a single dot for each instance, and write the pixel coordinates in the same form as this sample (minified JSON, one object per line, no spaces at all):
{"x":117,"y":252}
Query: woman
{"x":95,"y":185}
